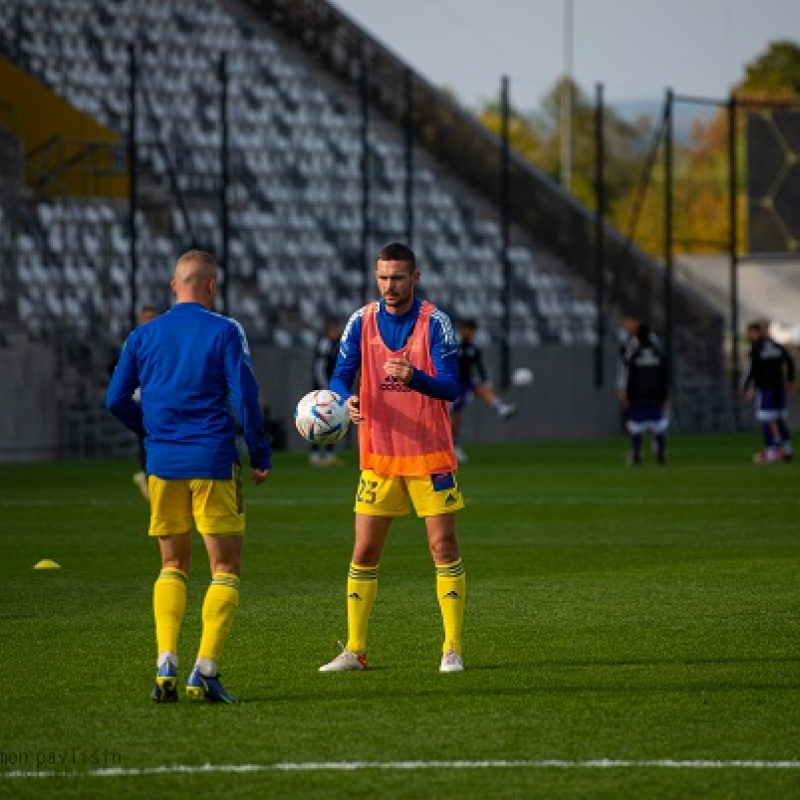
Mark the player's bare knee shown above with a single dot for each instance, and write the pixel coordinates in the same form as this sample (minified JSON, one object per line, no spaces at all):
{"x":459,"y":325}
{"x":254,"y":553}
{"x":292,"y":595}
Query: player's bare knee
{"x":173,"y":562}
{"x":445,"y":555}
{"x":366,"y":555}
{"x":230,"y":565}
{"x":176,"y":552}
{"x":224,"y":553}
{"x":445,"y":549}
{"x":367,"y":550}
{"x":225,"y":567}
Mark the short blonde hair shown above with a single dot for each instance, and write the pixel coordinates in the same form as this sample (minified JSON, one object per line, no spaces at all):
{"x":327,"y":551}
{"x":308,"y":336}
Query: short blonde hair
{"x":205,"y":260}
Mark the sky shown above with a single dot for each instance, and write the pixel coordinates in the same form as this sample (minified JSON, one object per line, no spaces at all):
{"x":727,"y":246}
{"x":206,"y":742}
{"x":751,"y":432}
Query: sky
{"x":636,"y":48}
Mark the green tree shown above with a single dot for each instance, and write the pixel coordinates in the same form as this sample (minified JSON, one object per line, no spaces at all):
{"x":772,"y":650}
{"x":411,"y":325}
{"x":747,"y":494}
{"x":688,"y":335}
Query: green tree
{"x":700,"y":189}
{"x":701,"y":203}
{"x":536,"y":136}
{"x":523,"y":135}
{"x":775,"y":73}
{"x":702,"y":185}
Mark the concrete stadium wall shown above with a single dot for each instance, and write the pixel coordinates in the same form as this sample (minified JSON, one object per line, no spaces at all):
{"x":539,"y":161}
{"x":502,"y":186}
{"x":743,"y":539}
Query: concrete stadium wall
{"x":561,"y":403}
{"x":29,"y":429}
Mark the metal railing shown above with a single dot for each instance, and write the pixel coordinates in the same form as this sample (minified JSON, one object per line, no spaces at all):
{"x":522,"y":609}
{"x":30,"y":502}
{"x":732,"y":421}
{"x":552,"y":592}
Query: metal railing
{"x":81,"y":167}
{"x":8,"y":116}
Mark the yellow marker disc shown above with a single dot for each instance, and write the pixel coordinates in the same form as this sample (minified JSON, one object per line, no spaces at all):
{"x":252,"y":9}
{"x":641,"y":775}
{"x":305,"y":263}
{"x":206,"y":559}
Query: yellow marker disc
{"x":47,"y":563}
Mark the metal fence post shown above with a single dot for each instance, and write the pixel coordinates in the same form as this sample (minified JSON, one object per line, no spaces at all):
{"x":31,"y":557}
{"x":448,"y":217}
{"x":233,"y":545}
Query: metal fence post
{"x":223,"y":185}
{"x":668,"y":243}
{"x":505,"y":333}
{"x":733,"y":250}
{"x":599,"y":239}
{"x":132,"y":188}
{"x":409,"y":130}
{"x":366,"y":178}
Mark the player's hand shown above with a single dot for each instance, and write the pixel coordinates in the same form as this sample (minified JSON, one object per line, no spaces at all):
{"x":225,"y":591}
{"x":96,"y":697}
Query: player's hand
{"x":792,"y":387}
{"x":400,"y":368}
{"x":749,"y":393}
{"x":354,"y":409}
{"x":258,"y":476}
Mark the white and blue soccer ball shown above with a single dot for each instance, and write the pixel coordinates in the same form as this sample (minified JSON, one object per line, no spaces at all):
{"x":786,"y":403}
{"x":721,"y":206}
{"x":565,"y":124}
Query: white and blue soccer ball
{"x":522,"y":376}
{"x":321,"y":417}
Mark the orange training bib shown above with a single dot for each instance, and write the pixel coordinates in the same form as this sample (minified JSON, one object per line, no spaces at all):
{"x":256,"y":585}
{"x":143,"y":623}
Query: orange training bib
{"x":404,"y":432}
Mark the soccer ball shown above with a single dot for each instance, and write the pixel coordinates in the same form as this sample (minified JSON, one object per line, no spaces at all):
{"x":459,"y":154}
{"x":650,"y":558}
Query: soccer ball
{"x":522,"y":376}
{"x":321,"y":417}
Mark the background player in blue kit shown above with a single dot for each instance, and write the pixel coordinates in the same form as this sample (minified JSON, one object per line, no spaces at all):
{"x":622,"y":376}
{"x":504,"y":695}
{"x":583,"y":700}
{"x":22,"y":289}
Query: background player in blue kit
{"x":643,"y":387}
{"x":193,"y":368}
{"x":473,"y":379}
{"x":770,"y":374}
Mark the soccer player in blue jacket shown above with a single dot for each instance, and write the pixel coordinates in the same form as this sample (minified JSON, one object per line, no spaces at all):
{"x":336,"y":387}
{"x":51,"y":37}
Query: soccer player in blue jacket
{"x":193,"y":367}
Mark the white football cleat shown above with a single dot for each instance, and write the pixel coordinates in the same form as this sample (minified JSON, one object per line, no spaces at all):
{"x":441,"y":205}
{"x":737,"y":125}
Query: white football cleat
{"x":346,"y":661}
{"x":770,"y":455}
{"x":461,"y":456}
{"x":451,"y":662}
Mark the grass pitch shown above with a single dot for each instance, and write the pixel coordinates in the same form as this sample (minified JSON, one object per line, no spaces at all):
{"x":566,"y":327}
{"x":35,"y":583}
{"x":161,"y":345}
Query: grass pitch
{"x":636,"y":615}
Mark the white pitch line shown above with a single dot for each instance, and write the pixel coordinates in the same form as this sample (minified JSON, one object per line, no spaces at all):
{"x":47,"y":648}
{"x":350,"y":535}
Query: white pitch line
{"x":355,"y":766}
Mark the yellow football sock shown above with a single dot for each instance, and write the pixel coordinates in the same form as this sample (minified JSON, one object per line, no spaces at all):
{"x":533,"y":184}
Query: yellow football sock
{"x":169,"y":606}
{"x":451,"y":587}
{"x":362,"y":589}
{"x":219,"y":608}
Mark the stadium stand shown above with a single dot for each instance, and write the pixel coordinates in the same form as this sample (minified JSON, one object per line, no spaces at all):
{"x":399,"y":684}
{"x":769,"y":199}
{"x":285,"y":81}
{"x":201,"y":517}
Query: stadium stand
{"x":296,"y":183}
{"x":298,"y":249}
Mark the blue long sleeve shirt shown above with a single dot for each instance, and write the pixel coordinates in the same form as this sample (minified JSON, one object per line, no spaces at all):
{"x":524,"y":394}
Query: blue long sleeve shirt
{"x":395,"y":330}
{"x":193,"y":369}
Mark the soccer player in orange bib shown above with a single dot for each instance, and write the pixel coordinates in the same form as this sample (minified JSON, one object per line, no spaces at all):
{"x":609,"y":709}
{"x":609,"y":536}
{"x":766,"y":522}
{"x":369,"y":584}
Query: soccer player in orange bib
{"x":407,"y":353}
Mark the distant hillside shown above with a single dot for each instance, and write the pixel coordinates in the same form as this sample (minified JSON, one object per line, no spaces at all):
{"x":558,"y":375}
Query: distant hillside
{"x":685,"y":115}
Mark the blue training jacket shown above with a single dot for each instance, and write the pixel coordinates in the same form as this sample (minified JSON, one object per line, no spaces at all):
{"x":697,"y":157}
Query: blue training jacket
{"x":193,"y":368}
{"x":395,"y":330}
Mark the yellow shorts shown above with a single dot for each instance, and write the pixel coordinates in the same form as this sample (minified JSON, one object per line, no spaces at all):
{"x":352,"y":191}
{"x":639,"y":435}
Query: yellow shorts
{"x":389,"y":495}
{"x":216,"y":506}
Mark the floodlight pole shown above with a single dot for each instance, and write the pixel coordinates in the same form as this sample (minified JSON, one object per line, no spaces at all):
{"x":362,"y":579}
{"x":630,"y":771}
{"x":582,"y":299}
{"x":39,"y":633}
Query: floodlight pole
{"x":566,"y":100}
